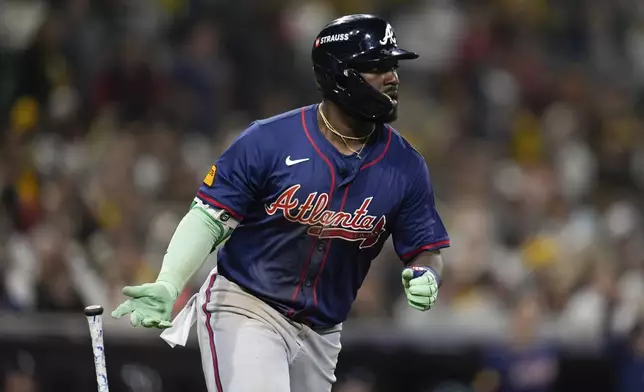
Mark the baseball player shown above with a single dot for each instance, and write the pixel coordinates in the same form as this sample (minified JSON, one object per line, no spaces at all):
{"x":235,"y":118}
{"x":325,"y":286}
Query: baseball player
{"x":306,"y":200}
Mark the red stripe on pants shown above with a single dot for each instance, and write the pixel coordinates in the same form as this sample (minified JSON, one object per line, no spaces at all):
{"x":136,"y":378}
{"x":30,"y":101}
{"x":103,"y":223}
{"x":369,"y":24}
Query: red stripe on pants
{"x":211,"y":335}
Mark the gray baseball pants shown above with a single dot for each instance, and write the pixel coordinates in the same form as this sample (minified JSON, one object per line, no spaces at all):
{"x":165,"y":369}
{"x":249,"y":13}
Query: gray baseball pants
{"x":248,"y":346}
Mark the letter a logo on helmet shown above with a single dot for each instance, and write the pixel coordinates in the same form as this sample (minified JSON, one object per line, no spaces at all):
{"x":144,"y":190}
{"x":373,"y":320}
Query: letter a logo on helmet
{"x":389,"y":36}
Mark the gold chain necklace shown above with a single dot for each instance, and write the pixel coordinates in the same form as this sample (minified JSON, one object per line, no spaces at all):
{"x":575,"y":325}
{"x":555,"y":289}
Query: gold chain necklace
{"x":343,"y":137}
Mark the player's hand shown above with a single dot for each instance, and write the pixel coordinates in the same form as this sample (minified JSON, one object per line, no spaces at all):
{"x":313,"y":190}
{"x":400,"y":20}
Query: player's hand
{"x":150,"y":305}
{"x":421,"y":287}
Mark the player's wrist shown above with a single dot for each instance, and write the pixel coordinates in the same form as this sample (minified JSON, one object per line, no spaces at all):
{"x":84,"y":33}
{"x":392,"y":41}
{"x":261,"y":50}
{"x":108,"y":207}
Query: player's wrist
{"x":170,"y":283}
{"x":436,"y":276}
{"x":429,"y":270}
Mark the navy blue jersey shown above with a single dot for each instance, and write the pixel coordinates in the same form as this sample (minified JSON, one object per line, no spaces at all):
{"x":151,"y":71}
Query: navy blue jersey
{"x":313,"y":219}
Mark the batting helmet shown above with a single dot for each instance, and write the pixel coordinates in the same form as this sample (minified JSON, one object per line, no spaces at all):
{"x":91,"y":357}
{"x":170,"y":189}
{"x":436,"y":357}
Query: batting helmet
{"x":350,"y":45}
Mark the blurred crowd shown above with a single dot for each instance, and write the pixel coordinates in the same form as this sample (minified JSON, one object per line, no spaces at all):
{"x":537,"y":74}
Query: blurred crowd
{"x":529,"y":114}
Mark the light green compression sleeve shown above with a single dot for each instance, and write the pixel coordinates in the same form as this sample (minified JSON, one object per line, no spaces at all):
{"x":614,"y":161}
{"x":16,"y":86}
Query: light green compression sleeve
{"x":196,"y":236}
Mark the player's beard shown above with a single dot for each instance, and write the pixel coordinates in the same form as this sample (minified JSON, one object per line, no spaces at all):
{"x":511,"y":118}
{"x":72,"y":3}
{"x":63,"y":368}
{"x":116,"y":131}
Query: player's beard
{"x":391,"y":116}
{"x":364,"y":129}
{"x":393,"y":113}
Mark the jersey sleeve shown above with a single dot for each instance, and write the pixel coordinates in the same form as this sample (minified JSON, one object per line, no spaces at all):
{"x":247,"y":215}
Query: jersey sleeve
{"x":237,"y":176}
{"x":418,"y":226}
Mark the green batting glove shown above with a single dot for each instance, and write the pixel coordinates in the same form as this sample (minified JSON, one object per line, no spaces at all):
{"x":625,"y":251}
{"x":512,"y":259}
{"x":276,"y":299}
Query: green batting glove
{"x":150,"y":304}
{"x":421,"y":287}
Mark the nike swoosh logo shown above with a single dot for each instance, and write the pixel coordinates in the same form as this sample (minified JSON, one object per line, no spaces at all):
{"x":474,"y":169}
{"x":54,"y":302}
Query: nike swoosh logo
{"x":291,"y":162}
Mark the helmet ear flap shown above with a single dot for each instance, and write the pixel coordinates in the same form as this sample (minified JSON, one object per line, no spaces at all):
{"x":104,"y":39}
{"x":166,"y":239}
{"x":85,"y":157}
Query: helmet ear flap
{"x":343,"y":78}
{"x":334,"y":75}
{"x":345,"y":86}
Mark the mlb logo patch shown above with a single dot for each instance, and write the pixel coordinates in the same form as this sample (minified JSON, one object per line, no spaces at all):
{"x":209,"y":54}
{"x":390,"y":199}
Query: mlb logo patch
{"x":210,"y":177}
{"x":317,"y":42}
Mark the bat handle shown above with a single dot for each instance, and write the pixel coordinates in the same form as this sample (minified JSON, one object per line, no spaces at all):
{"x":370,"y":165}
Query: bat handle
{"x":94,"y":315}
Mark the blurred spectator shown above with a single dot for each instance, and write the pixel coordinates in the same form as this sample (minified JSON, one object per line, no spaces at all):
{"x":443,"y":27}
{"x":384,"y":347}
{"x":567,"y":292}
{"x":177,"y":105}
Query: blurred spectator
{"x":17,"y":381}
{"x":353,"y":385}
{"x":358,"y":380}
{"x":526,"y":364}
{"x":628,"y":356}
{"x":5,"y":300}
{"x":44,"y":71}
{"x":130,"y":83}
{"x":201,"y":79}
